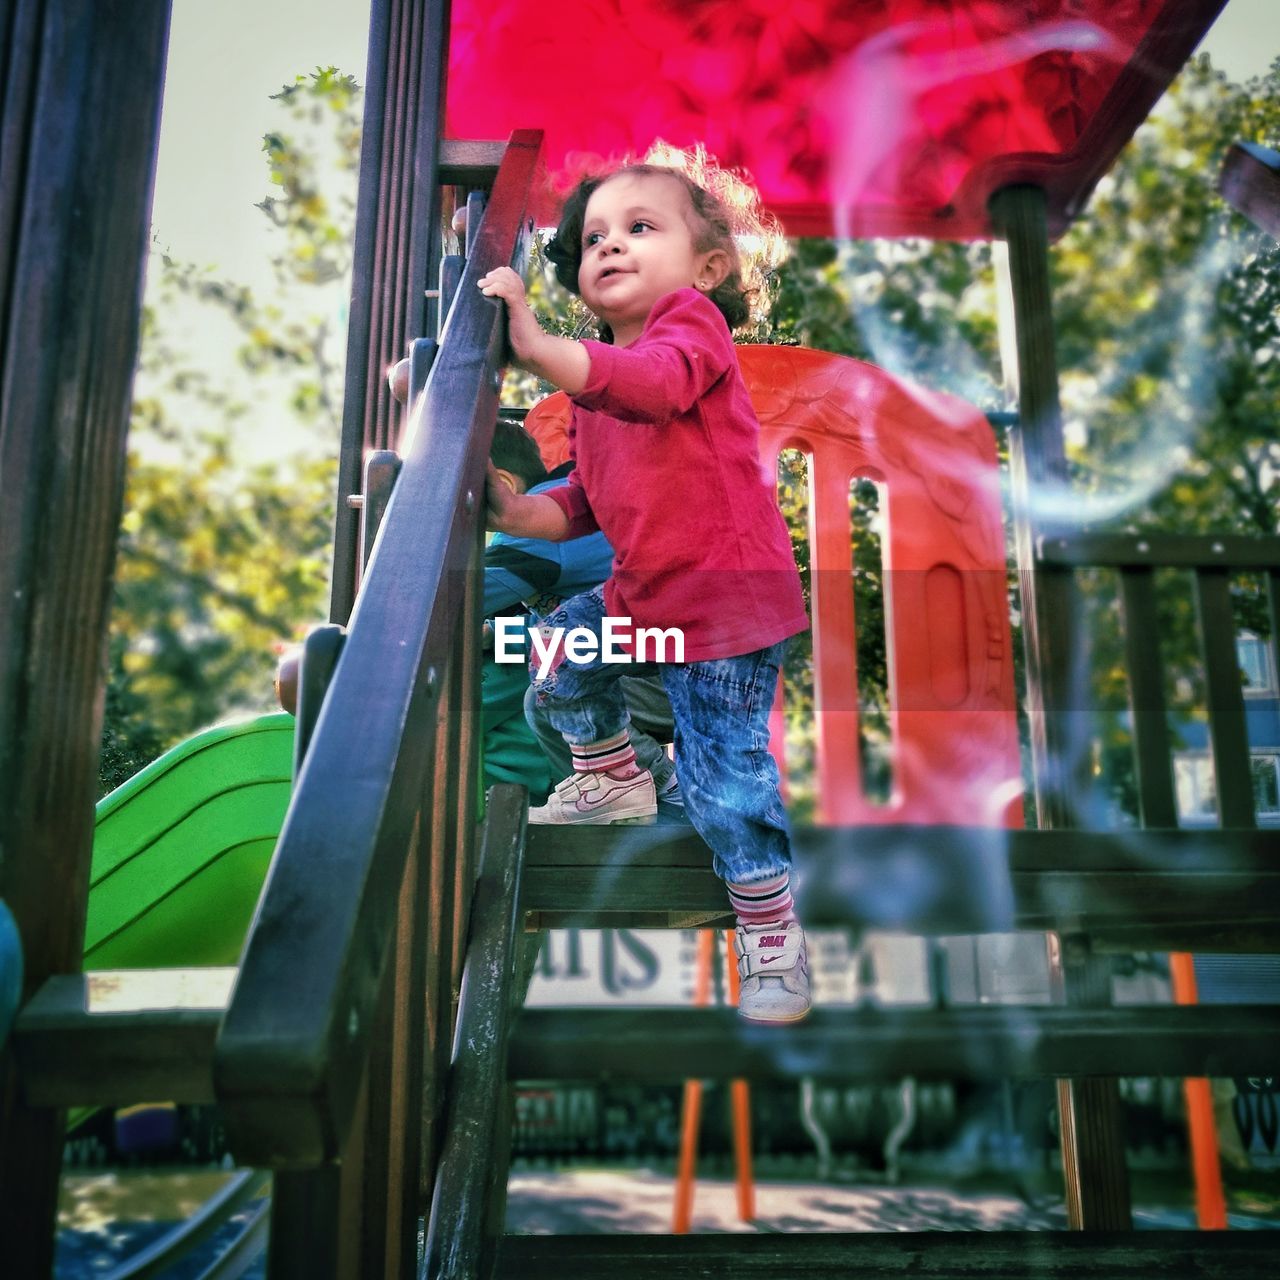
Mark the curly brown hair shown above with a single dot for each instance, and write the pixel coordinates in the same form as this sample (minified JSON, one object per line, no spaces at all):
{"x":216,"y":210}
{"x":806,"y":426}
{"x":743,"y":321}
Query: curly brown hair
{"x":713,"y":228}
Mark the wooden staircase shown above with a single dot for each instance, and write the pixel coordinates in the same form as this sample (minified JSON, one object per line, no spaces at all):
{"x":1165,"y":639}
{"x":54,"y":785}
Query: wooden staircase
{"x":497,"y":1046}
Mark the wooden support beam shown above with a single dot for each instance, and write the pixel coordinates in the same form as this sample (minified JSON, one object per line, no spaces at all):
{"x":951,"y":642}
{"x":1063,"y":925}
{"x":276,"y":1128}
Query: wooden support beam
{"x":940,"y":1255}
{"x":1160,"y":550}
{"x":977,"y":1042}
{"x":1052,"y":638}
{"x":1228,"y":730}
{"x":1250,"y":183}
{"x":81,"y":110}
{"x":1056,"y":658}
{"x":468,"y":163}
{"x":122,"y":1037}
{"x":1130,"y":890}
{"x":318,"y":1214}
{"x":1152,"y":747}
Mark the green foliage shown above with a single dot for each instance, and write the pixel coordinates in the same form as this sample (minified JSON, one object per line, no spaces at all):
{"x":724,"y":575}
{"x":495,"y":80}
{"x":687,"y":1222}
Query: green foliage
{"x":1168,"y":315}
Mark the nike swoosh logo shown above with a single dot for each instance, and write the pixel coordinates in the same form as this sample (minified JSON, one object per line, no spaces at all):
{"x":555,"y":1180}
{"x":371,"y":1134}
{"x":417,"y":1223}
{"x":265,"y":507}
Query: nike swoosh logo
{"x":594,"y":801}
{"x":770,"y":959}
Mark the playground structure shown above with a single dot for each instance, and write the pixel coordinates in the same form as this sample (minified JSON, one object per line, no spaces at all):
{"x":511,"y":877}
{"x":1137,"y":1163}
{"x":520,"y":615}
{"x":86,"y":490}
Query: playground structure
{"x":387,"y":919}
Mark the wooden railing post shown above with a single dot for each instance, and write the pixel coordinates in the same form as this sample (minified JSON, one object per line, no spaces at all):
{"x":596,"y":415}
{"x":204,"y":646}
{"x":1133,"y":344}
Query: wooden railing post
{"x":1054,"y":645}
{"x":82,"y":84}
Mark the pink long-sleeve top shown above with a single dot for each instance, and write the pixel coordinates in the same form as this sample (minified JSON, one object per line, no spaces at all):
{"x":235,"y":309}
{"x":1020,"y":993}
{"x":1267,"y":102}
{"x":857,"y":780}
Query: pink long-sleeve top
{"x":668,"y":466}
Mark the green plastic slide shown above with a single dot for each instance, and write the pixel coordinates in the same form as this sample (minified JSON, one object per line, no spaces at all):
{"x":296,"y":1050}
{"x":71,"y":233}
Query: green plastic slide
{"x":180,"y":851}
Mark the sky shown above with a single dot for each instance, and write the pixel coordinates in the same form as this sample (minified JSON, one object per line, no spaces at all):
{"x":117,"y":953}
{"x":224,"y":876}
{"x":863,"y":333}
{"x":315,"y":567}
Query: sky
{"x":225,"y":62}
{"x":226,"y":59}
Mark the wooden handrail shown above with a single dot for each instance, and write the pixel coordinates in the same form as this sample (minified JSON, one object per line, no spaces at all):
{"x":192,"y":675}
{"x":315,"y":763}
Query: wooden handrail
{"x":1161,"y":550}
{"x":292,"y":1051}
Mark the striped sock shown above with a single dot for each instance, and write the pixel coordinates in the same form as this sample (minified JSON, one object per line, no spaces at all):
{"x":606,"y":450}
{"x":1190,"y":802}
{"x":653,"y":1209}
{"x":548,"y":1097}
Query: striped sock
{"x":613,"y":756}
{"x":762,"y":901}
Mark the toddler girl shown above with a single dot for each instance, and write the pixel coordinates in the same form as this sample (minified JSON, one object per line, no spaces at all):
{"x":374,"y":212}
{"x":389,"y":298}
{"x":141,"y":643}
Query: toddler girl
{"x":666,"y":444}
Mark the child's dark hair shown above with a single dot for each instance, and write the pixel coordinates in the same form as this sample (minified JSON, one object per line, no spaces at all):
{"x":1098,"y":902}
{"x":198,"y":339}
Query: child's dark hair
{"x":515,"y":450}
{"x":713,"y":228}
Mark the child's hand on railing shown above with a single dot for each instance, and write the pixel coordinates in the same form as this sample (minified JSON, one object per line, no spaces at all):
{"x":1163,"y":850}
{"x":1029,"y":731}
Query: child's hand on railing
{"x":500,"y":498}
{"x":523,"y":331}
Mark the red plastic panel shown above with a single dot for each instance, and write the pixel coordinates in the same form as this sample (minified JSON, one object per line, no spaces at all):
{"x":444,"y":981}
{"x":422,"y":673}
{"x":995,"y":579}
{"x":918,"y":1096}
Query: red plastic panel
{"x":868,"y":117}
{"x":951,"y":694}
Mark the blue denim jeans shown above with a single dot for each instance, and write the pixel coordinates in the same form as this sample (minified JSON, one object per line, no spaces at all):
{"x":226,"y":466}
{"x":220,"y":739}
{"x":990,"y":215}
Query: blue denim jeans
{"x":721,"y":713}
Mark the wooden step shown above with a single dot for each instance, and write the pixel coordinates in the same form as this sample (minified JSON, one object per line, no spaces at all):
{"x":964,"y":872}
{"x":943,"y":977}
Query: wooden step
{"x":120,"y":1037}
{"x":972,"y":1043}
{"x":990,"y":1255}
{"x":1134,"y":890}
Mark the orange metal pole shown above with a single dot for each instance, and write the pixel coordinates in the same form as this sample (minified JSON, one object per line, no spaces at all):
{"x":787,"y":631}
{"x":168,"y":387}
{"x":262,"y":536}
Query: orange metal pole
{"x":691,"y":1118}
{"x":740,"y":1092}
{"x":1211,"y":1203}
{"x":691,"y":1106}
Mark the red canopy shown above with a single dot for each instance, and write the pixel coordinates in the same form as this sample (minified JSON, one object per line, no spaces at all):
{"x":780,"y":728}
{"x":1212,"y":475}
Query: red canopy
{"x":866,"y":118}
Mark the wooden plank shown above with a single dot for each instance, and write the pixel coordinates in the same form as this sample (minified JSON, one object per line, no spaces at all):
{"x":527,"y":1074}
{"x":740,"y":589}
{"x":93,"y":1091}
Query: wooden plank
{"x":388,"y":1221}
{"x":413,"y":946}
{"x":603,"y":891}
{"x":1159,"y":550}
{"x":438,"y":922}
{"x":937,"y":880}
{"x":1250,"y":182}
{"x":1229,"y":734}
{"x":317,"y":1214}
{"x":469,"y":163}
{"x":1039,"y":481}
{"x":291,"y":1053}
{"x":1152,"y":753}
{"x":859,"y":1044}
{"x":1247,"y":851}
{"x":320,"y":653}
{"x":469,"y":748}
{"x":458,"y":1241}
{"x":381,"y":468}
{"x":81,"y":108}
{"x":721,"y":918}
{"x":942,"y":1255}
{"x":117,"y":1038}
{"x":1091,"y":1119}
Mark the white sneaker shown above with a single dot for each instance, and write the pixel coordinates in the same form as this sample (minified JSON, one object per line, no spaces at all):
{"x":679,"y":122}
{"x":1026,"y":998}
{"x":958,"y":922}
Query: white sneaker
{"x":600,"y":799}
{"x":774,"y":972}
